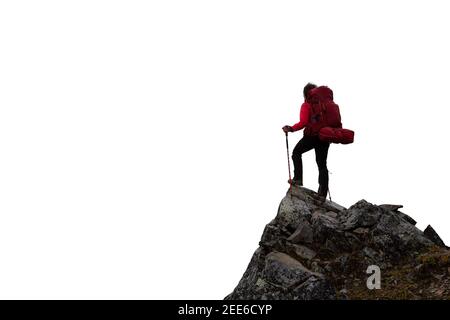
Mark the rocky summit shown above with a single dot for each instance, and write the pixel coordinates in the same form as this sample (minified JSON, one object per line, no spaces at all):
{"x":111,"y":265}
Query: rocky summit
{"x":317,"y":249}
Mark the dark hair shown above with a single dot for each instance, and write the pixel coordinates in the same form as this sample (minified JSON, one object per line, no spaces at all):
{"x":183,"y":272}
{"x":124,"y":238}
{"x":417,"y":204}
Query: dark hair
{"x":307,"y":88}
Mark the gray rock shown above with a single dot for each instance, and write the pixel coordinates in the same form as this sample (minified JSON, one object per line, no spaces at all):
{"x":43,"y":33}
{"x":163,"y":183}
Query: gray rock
{"x":361,"y":215}
{"x":290,"y":212}
{"x":433,"y":236}
{"x":313,"y":198}
{"x":394,"y":208}
{"x":331,"y":214}
{"x":272,"y":235}
{"x":315,"y":288}
{"x":342,"y":261}
{"x":352,"y":240}
{"x":304,"y":194}
{"x":304,"y":252}
{"x":407,"y":218}
{"x":315,"y":267}
{"x":327,"y":230}
{"x":333,"y":206}
{"x":391,"y":207}
{"x":383,"y":241}
{"x":251,"y":275}
{"x":361,"y":230}
{"x":373,"y":255}
{"x":303,"y":233}
{"x":283,"y":270}
{"x":404,"y":236}
{"x":326,"y":220}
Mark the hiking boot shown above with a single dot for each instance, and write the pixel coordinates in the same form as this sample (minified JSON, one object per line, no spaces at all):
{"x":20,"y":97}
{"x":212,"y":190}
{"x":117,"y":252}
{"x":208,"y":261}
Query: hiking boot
{"x":322,"y":192}
{"x":295,"y":182}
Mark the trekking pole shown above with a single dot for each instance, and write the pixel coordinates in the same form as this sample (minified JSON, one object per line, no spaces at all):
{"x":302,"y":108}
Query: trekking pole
{"x":329,"y":192}
{"x":289,"y":161}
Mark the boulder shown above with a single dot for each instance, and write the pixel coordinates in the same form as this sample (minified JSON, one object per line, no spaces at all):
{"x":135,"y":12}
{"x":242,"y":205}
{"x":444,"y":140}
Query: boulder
{"x":290,"y":212}
{"x":304,"y":252}
{"x":394,"y":208}
{"x":361,"y":215}
{"x":303,"y":233}
{"x":391,"y":207}
{"x":315,"y":288}
{"x":433,"y":236}
{"x":283,"y":270}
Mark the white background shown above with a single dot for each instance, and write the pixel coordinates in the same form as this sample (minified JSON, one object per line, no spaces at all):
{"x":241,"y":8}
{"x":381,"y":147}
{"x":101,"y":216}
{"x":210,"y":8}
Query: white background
{"x":141,"y":151}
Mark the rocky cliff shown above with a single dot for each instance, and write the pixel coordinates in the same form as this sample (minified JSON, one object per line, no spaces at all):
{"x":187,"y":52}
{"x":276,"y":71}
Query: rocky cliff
{"x":317,"y":249}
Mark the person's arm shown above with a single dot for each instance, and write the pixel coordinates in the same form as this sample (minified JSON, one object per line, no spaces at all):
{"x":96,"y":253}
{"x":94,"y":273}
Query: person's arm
{"x":304,"y":117}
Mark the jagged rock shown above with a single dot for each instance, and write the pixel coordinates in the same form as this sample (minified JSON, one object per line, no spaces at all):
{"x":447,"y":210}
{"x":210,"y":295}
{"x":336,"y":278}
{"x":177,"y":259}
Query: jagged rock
{"x":315,"y":288}
{"x":433,"y":236}
{"x":304,"y":252}
{"x":342,"y":261}
{"x":373,"y":255}
{"x":328,"y":232}
{"x":383,"y":241}
{"x":316,"y":249}
{"x":250,"y":277}
{"x":331,"y":214}
{"x":324,"y":227}
{"x":391,"y":207}
{"x":315,"y":267}
{"x":272,"y":235}
{"x":352,"y":240}
{"x":361,"y":230}
{"x":314,"y":200}
{"x":283,"y":270}
{"x":333,"y":206}
{"x":404,"y":235}
{"x":303,"y":233}
{"x":290,"y":212}
{"x":361,"y":215}
{"x":407,"y":218}
{"x":394,"y":208}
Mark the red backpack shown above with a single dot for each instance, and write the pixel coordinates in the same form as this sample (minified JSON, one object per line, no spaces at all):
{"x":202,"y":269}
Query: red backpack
{"x":325,"y":117}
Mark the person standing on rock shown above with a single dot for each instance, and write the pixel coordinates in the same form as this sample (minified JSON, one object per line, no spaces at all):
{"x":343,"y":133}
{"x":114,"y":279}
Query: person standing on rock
{"x":309,"y":141}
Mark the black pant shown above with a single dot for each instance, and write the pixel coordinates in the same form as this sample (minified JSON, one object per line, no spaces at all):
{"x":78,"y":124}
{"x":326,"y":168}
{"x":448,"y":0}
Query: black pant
{"x":321,"y":148}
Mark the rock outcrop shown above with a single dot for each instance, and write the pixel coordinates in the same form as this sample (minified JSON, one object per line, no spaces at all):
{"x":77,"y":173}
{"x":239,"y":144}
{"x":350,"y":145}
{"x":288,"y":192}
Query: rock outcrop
{"x":317,"y":249}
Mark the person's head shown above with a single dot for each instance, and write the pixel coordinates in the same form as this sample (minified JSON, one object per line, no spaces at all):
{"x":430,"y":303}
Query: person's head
{"x":308,"y":88}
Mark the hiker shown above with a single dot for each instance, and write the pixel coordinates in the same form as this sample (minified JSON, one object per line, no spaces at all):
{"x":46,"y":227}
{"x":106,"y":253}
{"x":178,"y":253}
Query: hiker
{"x":309,"y":141}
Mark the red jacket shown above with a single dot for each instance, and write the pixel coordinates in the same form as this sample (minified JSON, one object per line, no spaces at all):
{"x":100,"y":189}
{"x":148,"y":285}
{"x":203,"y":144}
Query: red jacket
{"x":304,"y":117}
